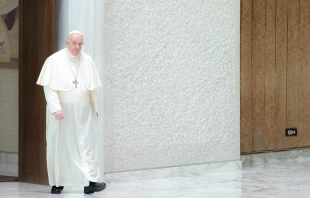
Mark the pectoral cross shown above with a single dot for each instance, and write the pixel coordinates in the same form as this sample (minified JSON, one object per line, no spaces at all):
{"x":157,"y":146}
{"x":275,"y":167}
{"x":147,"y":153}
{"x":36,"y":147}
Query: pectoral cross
{"x":75,"y":82}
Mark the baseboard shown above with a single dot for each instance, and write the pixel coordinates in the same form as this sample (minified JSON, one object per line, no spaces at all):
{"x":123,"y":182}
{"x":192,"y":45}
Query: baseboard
{"x":302,"y":154}
{"x":181,"y":171}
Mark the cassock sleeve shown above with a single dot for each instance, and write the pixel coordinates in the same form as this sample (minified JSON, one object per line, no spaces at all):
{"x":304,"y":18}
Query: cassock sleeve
{"x":52,"y":99}
{"x":93,"y":96}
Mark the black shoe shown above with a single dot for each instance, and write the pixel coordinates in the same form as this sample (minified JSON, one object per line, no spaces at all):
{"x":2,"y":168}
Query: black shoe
{"x":88,"y":190}
{"x":94,"y":187}
{"x":56,"y":190}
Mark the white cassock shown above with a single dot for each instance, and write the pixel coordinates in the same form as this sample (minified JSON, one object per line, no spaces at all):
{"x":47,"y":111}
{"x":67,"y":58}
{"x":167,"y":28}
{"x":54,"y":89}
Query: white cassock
{"x":72,"y":143}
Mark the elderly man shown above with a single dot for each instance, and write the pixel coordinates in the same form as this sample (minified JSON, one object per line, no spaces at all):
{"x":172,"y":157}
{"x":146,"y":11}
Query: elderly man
{"x":69,"y":78}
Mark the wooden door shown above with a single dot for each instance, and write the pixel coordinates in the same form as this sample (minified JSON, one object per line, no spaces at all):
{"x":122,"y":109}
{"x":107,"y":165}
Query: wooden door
{"x":275,"y":74}
{"x":36,"y":44}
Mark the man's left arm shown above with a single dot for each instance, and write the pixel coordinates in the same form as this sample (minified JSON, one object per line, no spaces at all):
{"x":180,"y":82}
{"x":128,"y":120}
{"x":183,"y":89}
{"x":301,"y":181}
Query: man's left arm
{"x":93,"y":96}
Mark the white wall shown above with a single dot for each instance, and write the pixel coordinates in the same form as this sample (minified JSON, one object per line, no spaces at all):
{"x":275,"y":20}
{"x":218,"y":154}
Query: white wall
{"x":171,"y":79}
{"x":61,"y":23}
{"x":8,"y":110}
{"x":171,"y":83}
{"x":8,"y":84}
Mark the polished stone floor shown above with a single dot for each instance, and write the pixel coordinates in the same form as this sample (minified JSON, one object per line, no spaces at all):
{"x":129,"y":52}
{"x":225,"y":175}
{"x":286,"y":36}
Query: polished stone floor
{"x":283,"y":179}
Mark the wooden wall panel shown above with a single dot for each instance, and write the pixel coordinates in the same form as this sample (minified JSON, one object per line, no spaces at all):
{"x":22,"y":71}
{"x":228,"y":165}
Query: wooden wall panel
{"x":246,"y":100}
{"x":36,"y":44}
{"x":281,"y":64}
{"x":258,"y":73}
{"x":304,"y":73}
{"x":275,"y":41}
{"x":270,"y":74}
{"x":292,"y":70}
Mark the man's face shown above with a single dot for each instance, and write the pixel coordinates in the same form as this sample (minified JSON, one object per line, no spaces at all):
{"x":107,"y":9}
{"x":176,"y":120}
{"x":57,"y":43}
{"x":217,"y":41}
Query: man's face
{"x":75,"y":43}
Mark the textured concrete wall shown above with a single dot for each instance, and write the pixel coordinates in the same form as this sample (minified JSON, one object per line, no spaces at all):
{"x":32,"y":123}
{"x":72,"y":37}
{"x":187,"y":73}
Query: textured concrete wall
{"x":171,"y":83}
{"x":8,"y":110}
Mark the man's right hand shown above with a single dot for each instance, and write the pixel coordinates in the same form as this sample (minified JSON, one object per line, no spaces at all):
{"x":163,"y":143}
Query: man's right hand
{"x":59,"y":115}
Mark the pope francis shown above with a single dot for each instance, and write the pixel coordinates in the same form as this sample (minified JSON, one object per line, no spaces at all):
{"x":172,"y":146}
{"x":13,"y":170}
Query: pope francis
{"x":69,"y":78}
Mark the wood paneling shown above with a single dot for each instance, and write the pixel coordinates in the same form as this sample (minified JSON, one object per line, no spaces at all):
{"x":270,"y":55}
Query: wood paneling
{"x":281,"y":64}
{"x":246,"y":100}
{"x":36,"y":44}
{"x":292,"y":70}
{"x":304,"y":73}
{"x":275,"y":62}
{"x":258,"y":73}
{"x":270,"y":74}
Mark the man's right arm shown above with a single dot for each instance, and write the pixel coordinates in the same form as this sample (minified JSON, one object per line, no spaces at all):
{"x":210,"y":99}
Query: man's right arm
{"x":53,"y":103}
